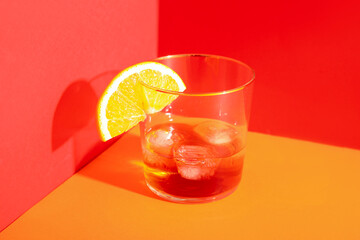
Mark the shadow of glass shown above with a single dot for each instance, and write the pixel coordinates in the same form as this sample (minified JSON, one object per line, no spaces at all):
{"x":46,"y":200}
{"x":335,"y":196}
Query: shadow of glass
{"x":121,"y":166}
{"x":74,"y":120}
{"x":75,"y":125}
{"x":75,"y":109}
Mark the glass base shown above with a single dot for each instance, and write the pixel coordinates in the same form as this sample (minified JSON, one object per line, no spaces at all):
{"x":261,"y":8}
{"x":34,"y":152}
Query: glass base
{"x":177,"y":199}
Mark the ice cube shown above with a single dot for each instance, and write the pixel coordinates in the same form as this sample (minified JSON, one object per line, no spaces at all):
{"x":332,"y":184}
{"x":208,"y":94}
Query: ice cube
{"x":158,"y":149}
{"x":155,"y":160}
{"x":216,"y":132}
{"x":195,"y":162}
{"x":162,"y":141}
{"x":226,"y":138}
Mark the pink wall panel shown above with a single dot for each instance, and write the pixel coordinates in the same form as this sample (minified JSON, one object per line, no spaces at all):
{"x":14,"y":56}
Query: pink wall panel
{"x":55,"y":59}
{"x":305,"y":55}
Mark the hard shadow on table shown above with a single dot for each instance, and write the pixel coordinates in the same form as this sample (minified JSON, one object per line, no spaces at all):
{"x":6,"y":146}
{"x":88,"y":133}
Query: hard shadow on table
{"x":121,"y":166}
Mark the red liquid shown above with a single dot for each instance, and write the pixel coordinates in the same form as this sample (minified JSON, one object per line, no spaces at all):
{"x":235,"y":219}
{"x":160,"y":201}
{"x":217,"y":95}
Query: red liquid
{"x":193,"y":161}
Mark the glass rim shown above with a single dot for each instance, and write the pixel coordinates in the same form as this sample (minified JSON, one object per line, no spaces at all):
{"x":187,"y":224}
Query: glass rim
{"x":239,"y":88}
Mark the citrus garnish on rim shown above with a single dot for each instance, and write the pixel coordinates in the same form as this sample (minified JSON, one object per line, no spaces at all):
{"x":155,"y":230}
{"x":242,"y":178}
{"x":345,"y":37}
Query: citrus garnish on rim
{"x":125,"y":102}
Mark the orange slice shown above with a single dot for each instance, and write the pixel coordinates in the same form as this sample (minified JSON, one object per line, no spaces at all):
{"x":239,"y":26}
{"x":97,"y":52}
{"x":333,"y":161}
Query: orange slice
{"x":126,"y":100}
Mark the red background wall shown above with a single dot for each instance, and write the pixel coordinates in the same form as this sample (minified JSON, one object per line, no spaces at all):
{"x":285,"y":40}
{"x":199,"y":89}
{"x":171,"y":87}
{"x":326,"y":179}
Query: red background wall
{"x":305,"y":55}
{"x":55,"y":59}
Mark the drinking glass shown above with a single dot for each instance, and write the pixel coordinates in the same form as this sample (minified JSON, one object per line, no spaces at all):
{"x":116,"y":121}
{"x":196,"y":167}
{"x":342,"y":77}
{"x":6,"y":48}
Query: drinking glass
{"x":194,"y":148}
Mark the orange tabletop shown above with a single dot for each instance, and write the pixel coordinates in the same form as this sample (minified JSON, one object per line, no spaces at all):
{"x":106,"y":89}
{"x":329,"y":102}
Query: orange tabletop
{"x":290,"y":189}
